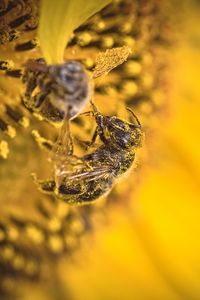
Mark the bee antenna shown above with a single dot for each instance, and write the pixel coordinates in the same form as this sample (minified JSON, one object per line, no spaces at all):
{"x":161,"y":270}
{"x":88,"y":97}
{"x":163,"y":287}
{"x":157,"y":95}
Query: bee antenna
{"x":95,"y":110}
{"x":87,"y":113}
{"x":135,"y":117}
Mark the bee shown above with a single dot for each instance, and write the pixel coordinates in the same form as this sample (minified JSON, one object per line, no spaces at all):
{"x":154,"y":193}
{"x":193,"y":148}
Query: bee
{"x":81,"y":180}
{"x":61,"y":91}
{"x":56,"y":91}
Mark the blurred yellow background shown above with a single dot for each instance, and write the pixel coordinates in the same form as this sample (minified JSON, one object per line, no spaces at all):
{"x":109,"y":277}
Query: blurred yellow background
{"x":151,"y":249}
{"x":149,"y":246}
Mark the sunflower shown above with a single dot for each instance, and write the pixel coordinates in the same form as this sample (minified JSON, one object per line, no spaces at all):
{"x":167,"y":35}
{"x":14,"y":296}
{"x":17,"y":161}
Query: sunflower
{"x":135,"y":227}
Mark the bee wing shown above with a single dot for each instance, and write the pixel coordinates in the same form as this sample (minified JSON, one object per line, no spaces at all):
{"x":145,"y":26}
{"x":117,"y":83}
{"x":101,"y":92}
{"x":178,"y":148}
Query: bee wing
{"x":90,"y":175}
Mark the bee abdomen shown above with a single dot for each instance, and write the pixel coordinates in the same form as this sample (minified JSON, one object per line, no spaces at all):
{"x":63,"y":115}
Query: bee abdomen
{"x":96,"y":189}
{"x":70,"y":190}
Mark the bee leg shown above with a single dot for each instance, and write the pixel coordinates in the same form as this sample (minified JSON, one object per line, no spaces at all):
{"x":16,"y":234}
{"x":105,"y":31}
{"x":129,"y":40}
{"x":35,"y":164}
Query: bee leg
{"x":87,"y":144}
{"x":99,"y":131}
{"x":91,"y":143}
{"x":45,"y":186}
{"x":81,"y":143}
{"x":94,"y":137}
{"x":87,"y":113}
{"x":95,"y":110}
{"x":102,"y":136}
{"x":100,"y":125}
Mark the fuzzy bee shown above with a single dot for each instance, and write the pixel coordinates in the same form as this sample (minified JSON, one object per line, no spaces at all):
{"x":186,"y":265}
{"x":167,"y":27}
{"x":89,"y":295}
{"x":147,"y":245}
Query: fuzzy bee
{"x":56,"y":91}
{"x":80,"y":180}
{"x":61,"y":91}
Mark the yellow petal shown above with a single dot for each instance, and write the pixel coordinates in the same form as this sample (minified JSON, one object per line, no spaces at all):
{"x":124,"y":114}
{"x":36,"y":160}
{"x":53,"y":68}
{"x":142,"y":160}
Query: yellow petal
{"x":58,"y":20}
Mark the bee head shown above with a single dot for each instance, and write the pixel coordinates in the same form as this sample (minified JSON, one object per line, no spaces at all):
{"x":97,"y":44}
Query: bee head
{"x":123,"y":134}
{"x":68,"y":75}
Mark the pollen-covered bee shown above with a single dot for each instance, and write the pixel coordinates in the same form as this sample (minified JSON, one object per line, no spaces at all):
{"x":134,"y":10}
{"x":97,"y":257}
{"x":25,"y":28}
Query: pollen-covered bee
{"x":80,"y":180}
{"x":56,"y":91}
{"x":61,"y":91}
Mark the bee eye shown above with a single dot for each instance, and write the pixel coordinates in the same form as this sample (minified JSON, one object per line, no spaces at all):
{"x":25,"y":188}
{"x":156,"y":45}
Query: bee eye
{"x":120,"y":124}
